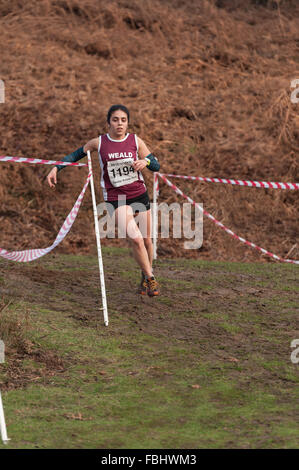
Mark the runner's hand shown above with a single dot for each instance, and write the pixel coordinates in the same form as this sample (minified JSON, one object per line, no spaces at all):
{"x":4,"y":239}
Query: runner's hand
{"x":139,"y":165}
{"x":52,"y":177}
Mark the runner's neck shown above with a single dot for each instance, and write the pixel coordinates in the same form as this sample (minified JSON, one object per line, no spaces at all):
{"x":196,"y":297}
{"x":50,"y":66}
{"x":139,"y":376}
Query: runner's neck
{"x":115,"y":139}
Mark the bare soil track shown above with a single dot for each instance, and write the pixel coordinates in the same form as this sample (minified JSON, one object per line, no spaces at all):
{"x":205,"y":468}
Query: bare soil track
{"x":223,"y":313}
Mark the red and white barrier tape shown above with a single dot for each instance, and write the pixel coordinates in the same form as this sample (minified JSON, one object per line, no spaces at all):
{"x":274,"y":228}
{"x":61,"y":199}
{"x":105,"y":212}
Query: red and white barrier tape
{"x":250,"y":184}
{"x":156,"y":183}
{"x":230,"y":232}
{"x":30,"y":255}
{"x":4,"y":158}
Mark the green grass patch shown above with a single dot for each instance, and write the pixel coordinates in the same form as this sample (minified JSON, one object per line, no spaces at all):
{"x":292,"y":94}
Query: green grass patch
{"x":194,"y":369}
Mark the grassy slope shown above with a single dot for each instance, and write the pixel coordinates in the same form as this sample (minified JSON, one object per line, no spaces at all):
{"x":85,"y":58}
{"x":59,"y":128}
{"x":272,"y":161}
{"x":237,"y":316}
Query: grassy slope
{"x":207,"y":364}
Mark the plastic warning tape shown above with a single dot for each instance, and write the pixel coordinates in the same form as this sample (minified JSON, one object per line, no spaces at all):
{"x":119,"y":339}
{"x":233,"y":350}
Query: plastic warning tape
{"x":30,"y":255}
{"x":227,"y":230}
{"x":250,"y":184}
{"x":4,"y":158}
{"x":156,"y":183}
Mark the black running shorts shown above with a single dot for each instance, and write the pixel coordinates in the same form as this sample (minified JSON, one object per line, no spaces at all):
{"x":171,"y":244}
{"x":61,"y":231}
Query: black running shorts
{"x":139,"y":204}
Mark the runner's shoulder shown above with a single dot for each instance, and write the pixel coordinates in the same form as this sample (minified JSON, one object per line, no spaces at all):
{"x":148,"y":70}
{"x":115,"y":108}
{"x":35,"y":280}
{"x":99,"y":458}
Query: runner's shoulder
{"x":91,"y":145}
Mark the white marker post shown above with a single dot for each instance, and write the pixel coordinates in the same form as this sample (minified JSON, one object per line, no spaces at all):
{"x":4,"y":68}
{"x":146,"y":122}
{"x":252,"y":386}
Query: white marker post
{"x":4,"y":437}
{"x":155,"y":218}
{"x":98,"y":238}
{"x":2,"y":91}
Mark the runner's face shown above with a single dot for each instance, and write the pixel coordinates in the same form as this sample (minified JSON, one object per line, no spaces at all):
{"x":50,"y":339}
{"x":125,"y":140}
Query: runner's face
{"x":118,"y":124}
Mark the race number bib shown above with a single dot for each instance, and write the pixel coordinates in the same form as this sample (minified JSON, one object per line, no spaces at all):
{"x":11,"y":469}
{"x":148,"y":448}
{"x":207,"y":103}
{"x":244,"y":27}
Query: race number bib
{"x":121,"y":172}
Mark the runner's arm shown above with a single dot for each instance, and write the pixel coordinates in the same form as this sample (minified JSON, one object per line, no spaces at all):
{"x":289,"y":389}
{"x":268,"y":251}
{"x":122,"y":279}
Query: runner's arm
{"x":93,"y":144}
{"x":72,"y":157}
{"x":147,"y":159}
{"x":80,"y":152}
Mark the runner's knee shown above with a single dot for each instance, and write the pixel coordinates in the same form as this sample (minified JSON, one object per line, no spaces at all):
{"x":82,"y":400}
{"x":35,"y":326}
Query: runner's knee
{"x":147,"y":242}
{"x":137,"y":242}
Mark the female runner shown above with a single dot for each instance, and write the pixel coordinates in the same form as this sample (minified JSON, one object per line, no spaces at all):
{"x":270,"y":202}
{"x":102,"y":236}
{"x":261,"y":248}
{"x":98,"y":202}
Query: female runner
{"x":123,"y":157}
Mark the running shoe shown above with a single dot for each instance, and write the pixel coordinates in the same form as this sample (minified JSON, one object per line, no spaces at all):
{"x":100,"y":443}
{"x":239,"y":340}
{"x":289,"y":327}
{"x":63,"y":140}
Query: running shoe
{"x":152,"y":287}
{"x":143,"y":285}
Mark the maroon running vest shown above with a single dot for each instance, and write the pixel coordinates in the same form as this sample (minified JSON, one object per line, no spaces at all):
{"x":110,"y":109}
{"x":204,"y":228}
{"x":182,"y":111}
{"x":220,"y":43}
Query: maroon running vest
{"x":118,"y":177}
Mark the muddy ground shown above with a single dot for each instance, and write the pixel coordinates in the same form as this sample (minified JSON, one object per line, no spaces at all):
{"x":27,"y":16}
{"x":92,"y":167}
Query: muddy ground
{"x":229,"y":313}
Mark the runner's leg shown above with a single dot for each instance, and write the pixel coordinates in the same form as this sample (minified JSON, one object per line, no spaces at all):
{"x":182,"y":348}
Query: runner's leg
{"x":126,"y":223}
{"x":150,"y":285}
{"x":145,"y":226}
